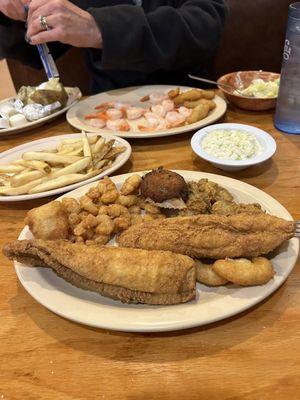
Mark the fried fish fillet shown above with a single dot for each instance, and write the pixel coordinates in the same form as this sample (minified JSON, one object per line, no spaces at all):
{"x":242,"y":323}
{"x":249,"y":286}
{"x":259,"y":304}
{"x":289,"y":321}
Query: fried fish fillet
{"x":211,"y":236}
{"x":129,"y":275}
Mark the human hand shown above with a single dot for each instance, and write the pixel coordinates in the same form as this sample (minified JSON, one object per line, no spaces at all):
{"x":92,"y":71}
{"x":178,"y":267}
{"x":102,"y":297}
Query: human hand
{"x":67,"y":23}
{"x":13,"y":9}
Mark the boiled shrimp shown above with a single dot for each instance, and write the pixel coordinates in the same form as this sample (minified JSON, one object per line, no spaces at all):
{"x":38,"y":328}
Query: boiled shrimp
{"x":97,"y":123}
{"x":175,"y":119}
{"x":114,"y":114}
{"x":158,"y":110}
{"x":134,"y":112}
{"x":118,"y":125}
{"x":168,"y":105}
{"x":157,"y":97}
{"x":186,"y":112}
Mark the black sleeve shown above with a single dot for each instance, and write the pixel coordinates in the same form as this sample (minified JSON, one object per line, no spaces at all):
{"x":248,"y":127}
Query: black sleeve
{"x":165,"y":38}
{"x":13,"y":44}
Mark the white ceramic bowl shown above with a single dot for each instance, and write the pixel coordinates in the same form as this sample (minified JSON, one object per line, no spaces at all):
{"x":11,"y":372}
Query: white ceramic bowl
{"x":265,"y":140}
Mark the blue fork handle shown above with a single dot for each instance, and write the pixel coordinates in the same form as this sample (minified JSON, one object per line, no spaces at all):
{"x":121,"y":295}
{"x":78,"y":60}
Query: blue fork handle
{"x":46,"y":57}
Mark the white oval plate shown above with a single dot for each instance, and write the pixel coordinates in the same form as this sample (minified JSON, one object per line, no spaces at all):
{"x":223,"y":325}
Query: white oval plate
{"x":210,"y":305}
{"x":74,"y":96}
{"x":50,"y":143}
{"x":76,"y":114}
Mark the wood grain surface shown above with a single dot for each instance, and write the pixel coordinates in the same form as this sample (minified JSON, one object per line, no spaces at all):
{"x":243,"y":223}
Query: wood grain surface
{"x":255,"y":355}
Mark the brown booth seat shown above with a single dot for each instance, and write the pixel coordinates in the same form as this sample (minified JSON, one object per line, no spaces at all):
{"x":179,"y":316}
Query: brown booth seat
{"x":253,"y":39}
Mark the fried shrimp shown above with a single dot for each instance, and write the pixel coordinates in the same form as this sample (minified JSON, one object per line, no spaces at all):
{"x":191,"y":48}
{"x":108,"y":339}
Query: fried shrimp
{"x":105,"y":225}
{"x":244,"y":272}
{"x":206,"y":275}
{"x":108,"y":191}
{"x":87,"y":204}
{"x":128,"y":200}
{"x":131,"y":184}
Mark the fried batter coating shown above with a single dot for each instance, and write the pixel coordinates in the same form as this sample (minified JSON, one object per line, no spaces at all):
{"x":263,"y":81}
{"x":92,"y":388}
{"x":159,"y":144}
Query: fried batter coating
{"x":86,"y":224}
{"x":211,"y":236}
{"x":173,"y":93}
{"x":134,"y":209}
{"x":107,"y":190}
{"x":136,"y":219}
{"x":189,"y":95}
{"x":202,"y":195}
{"x":93,"y":193}
{"x":116,"y":210}
{"x":122,"y":223}
{"x":105,"y":225}
{"x":199,"y":112}
{"x":88,"y":205}
{"x":128,"y":200}
{"x":160,"y":185}
{"x":206,"y":275}
{"x":74,"y":219}
{"x":245,"y":272}
{"x":129,"y":275}
{"x":151,"y":208}
{"x":192,"y":104}
{"x":131,"y":184}
{"x":71,"y":205}
{"x":48,"y":221}
{"x":223,"y":207}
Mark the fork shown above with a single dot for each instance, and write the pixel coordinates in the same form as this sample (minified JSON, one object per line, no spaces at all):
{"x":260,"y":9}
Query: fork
{"x":297,"y":229}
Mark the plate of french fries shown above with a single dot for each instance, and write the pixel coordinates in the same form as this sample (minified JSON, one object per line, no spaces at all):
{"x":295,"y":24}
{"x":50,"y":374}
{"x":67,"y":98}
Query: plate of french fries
{"x":147,"y":111}
{"x":58,"y":164}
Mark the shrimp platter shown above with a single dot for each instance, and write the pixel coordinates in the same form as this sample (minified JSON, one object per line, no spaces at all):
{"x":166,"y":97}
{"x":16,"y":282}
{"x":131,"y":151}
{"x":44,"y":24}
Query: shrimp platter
{"x":155,"y":112}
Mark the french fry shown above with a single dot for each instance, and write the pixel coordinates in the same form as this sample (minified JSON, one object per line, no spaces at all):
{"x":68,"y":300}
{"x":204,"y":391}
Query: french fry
{"x":24,"y":189}
{"x":4,"y":180}
{"x":73,"y":160}
{"x":25,"y":177}
{"x":64,"y":180}
{"x":50,"y":157}
{"x":73,"y":168}
{"x":101,"y":163}
{"x":39,"y":165}
{"x":111,"y":155}
{"x":105,"y":149}
{"x":86,"y":145}
{"x":98,"y":146}
{"x":11,"y":169}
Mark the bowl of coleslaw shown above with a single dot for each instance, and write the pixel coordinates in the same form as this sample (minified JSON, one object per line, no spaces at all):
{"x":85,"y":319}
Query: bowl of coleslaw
{"x":251,"y":90}
{"x":233,"y":147}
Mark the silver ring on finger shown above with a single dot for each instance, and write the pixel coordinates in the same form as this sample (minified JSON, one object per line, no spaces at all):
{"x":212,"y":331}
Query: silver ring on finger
{"x":43,"y":23}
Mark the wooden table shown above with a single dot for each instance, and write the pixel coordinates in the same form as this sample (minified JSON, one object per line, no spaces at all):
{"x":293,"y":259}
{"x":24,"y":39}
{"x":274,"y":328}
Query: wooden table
{"x":255,"y":355}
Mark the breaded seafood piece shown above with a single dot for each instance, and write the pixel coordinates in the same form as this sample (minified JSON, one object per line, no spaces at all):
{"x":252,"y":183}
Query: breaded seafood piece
{"x":245,"y":272}
{"x":223,"y":207}
{"x":129,"y":275}
{"x":211,"y":236}
{"x":48,"y":221}
{"x":161,"y":184}
{"x":205,"y":274}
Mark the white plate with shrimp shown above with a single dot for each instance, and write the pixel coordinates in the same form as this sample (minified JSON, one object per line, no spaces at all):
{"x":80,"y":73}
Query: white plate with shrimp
{"x":129,"y":117}
{"x":211,"y":303}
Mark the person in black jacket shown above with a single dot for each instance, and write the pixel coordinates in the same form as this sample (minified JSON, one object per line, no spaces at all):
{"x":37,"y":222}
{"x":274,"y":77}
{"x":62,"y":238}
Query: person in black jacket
{"x":128,"y":42}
